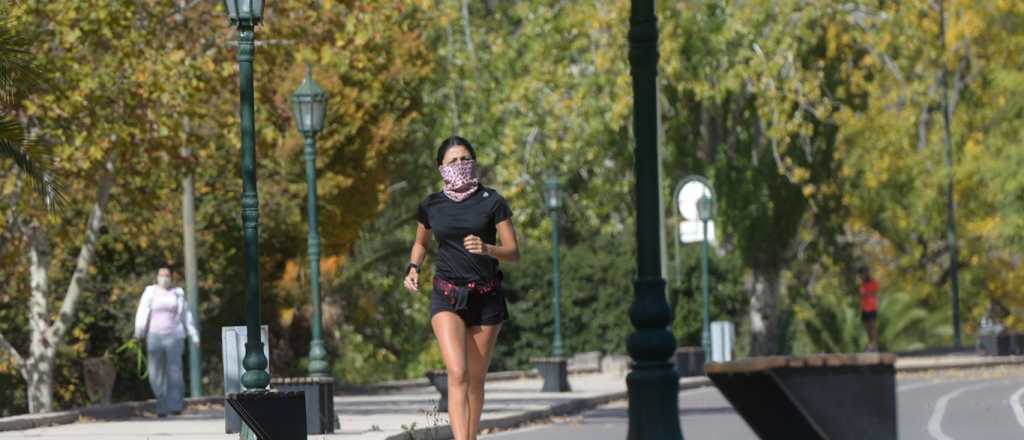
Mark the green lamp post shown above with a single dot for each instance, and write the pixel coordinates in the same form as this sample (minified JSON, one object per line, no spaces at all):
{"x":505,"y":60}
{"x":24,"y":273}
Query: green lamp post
{"x":245,"y":16}
{"x":554,"y":369}
{"x":309,"y":103}
{"x":653,"y":384}
{"x":552,"y":200}
{"x":706,"y":212}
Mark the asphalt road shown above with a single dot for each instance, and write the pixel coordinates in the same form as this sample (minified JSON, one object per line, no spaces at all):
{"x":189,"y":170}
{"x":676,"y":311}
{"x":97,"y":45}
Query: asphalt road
{"x":966,"y":404}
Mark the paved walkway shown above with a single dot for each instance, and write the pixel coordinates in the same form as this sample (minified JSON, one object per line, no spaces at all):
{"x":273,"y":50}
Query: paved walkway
{"x":369,"y":417}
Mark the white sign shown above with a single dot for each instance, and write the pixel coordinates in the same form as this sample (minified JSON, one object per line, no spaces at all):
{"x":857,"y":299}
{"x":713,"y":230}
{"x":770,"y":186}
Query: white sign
{"x":233,"y":341}
{"x":692,"y":231}
{"x":687,"y":198}
{"x":722,"y":337}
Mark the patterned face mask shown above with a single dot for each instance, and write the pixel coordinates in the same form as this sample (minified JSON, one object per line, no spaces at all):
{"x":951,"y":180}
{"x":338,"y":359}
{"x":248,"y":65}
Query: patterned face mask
{"x":460,"y":179}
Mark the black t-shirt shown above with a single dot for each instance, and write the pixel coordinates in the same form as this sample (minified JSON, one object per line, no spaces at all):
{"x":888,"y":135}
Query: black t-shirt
{"x":452,"y":221}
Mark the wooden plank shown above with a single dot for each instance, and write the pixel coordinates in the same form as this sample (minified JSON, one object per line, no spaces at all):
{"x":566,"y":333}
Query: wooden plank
{"x":748,"y":365}
{"x":815,"y":361}
{"x":822,"y":360}
{"x":836,"y":360}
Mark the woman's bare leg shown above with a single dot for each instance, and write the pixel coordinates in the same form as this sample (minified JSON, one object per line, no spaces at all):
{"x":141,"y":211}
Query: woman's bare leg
{"x":872,"y":326}
{"x":451,"y":337}
{"x":479,"y":351}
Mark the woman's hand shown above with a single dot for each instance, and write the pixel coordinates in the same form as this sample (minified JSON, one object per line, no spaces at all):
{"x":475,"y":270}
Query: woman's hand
{"x":475,"y":245}
{"x":412,"y":280}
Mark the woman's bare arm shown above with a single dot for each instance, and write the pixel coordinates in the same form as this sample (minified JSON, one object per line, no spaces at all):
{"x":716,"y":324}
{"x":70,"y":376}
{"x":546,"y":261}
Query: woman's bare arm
{"x":508,"y":250}
{"x":417,"y":256}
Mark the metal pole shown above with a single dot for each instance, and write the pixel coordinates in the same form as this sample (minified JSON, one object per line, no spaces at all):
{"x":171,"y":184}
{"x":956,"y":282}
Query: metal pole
{"x":705,"y":337}
{"x":557,"y":349}
{"x":653,"y":384}
{"x":255,"y":362}
{"x":188,"y":209}
{"x":950,"y":204}
{"x":678,"y":281}
{"x":317,"y":352}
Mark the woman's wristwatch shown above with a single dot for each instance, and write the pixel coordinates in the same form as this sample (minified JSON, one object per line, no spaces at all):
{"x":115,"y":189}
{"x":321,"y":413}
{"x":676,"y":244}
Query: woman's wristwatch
{"x":412,"y":265}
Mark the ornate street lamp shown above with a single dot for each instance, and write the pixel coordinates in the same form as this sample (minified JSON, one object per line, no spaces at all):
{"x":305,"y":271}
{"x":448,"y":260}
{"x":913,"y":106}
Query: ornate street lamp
{"x":706,"y":212}
{"x":263,"y":411}
{"x":653,"y":384}
{"x":245,"y":16}
{"x":552,"y":201}
{"x":309,"y":103}
{"x":554,"y":369}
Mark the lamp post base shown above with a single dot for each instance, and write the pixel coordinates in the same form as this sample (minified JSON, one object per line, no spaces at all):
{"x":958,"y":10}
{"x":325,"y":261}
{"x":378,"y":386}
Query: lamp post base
{"x":318,"y":359}
{"x":439,"y":379}
{"x":653,"y":401}
{"x":555,"y":374}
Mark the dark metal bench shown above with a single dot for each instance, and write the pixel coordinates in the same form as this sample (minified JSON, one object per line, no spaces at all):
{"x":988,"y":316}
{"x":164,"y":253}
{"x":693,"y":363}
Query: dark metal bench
{"x":1003,"y":344}
{"x":829,"y":396}
{"x":689,"y":361}
{"x":319,"y":392}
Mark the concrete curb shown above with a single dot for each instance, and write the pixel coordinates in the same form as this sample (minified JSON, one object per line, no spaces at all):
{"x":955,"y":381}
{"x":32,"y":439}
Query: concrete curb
{"x":115,"y":411}
{"x":574,"y":406}
{"x":29,"y":421}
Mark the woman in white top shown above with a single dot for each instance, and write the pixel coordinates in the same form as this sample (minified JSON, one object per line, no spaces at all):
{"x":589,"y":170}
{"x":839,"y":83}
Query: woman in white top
{"x":163,"y":319}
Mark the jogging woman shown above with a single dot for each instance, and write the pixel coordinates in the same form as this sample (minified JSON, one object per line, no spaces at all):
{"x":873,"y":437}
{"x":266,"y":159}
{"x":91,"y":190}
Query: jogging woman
{"x":467,"y":305}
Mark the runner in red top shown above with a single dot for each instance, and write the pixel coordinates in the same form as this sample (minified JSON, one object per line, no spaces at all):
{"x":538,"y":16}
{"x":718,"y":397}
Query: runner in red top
{"x":869,"y":307}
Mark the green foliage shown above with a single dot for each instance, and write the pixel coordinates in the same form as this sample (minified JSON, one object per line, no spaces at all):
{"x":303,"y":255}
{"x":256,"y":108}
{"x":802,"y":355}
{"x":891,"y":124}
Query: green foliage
{"x":19,"y":76}
{"x":597,"y":289}
{"x":727,"y":293}
{"x":831,"y":323}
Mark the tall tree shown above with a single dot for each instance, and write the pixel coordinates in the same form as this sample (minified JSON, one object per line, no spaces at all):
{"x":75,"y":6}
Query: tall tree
{"x":114,"y":118}
{"x":753,"y":101}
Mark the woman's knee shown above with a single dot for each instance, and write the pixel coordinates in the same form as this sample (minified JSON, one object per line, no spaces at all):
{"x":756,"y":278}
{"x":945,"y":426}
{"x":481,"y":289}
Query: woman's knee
{"x":477,"y":376}
{"x":458,"y":376}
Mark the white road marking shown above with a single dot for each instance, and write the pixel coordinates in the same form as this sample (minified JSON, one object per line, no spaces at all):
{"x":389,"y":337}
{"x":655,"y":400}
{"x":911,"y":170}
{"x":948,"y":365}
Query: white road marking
{"x":1017,"y":409}
{"x":935,"y":421}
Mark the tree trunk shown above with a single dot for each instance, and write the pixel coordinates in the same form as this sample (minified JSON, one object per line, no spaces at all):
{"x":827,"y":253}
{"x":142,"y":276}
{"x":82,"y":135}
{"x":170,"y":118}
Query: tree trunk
{"x":40,"y":383}
{"x":764,"y":301}
{"x":37,"y":368}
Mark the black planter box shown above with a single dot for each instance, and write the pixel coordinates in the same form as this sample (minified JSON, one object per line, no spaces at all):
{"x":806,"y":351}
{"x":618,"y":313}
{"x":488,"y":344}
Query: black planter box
{"x":271,"y":414}
{"x":554,"y":372}
{"x":439,"y":379}
{"x":826,"y":397}
{"x":689,"y":361}
{"x":319,"y":398}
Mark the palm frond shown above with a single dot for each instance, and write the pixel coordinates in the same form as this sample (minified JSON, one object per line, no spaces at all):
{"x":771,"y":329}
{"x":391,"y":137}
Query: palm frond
{"x":19,"y":74}
{"x":33,"y":159}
